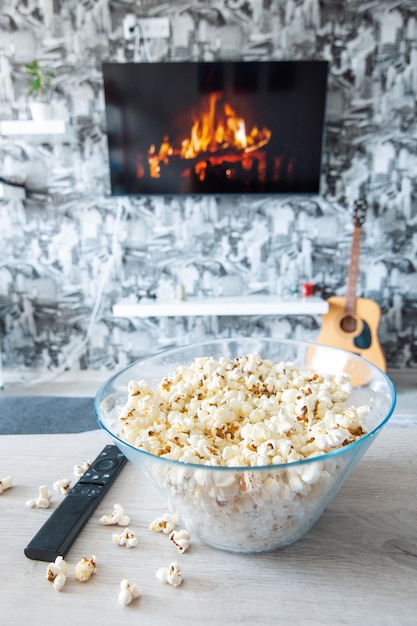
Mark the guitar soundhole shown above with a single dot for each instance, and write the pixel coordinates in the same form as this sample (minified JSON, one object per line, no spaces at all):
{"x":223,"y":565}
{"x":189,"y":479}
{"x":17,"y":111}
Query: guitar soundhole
{"x":348,"y":324}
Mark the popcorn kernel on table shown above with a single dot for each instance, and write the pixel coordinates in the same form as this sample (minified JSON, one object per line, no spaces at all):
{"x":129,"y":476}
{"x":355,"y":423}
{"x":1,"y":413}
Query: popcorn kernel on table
{"x":56,"y":572}
{"x":171,"y":575}
{"x":6,"y":483}
{"x":180,"y":539}
{"x":117,"y":517}
{"x":63,"y":486}
{"x":128,"y":592}
{"x":81,"y":468}
{"x":166,"y":523}
{"x":85,"y":568}
{"x":43,"y":500}
{"x":126,"y":538}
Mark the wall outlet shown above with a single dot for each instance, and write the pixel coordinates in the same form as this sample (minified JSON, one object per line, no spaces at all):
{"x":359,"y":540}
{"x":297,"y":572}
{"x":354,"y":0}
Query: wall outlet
{"x":130,"y":22}
{"x":154,"y":27}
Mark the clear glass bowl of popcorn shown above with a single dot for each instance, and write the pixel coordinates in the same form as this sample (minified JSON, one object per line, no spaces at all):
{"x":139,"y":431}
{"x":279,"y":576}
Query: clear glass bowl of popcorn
{"x":247,"y":439}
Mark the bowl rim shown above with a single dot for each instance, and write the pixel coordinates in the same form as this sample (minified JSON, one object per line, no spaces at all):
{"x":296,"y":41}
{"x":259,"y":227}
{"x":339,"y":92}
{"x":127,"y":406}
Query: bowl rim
{"x":355,"y":445}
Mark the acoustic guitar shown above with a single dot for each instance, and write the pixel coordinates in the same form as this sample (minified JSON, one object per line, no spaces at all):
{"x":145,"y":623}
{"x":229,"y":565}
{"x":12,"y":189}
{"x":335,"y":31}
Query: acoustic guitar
{"x":352,"y":323}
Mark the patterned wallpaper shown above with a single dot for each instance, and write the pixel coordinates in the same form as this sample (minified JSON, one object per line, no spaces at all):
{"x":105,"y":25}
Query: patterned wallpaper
{"x":69,"y":251}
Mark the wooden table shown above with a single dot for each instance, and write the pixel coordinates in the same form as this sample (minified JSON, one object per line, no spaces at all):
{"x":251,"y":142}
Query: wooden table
{"x":357,"y":566}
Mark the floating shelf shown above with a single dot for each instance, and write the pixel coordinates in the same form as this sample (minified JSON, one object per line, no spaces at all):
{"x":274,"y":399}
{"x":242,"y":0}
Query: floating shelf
{"x":29,"y":127}
{"x":248,"y":305}
{"x":12,"y":192}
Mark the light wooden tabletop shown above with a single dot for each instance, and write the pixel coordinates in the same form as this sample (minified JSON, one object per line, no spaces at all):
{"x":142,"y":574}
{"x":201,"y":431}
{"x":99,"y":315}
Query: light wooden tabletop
{"x":357,"y":566}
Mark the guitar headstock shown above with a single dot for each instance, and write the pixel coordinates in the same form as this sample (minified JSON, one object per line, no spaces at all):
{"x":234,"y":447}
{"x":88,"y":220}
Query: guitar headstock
{"x":359,"y":212}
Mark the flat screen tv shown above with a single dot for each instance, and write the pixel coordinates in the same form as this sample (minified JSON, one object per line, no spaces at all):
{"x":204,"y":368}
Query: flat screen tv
{"x":232,"y":127}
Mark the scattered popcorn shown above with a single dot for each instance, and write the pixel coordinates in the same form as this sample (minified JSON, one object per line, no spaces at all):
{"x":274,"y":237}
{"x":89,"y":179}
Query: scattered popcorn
{"x":180,"y":539}
{"x":171,"y":575}
{"x":6,"y":483}
{"x":42,"y":501}
{"x":127,"y":538}
{"x":85,"y":568}
{"x":63,"y":486}
{"x":79,"y":470}
{"x":117,"y":517}
{"x":128,"y":592}
{"x":166,"y":523}
{"x":56,"y":572}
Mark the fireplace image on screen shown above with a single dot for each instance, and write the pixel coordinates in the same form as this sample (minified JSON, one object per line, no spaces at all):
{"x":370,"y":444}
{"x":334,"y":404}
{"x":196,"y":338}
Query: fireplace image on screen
{"x":215,"y":128}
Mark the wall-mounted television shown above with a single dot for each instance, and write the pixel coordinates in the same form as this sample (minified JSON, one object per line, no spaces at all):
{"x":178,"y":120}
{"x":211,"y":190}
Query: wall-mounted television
{"x":224,"y":127}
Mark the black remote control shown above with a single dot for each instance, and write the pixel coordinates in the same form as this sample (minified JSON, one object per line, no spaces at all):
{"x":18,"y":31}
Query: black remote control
{"x":62,"y":527}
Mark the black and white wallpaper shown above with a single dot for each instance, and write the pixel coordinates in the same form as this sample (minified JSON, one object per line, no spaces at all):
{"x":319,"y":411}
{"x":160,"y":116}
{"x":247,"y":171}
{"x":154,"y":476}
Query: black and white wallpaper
{"x":69,"y":251}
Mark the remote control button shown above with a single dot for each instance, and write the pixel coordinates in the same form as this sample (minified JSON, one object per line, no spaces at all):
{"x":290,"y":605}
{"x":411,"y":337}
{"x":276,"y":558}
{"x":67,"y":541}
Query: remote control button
{"x":86,"y":490}
{"x":105,"y":464}
{"x":92,"y":491}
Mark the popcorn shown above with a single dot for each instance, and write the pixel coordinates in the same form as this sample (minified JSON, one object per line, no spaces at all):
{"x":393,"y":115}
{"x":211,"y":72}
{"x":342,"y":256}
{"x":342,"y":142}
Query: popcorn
{"x":166,"y":523}
{"x":117,"y":517}
{"x":241,"y":412}
{"x":6,"y":483}
{"x":128,"y":592}
{"x":56,"y":573}
{"x":85,"y":568}
{"x":63,"y":486}
{"x":79,"y":470}
{"x":127,"y":538}
{"x":42,"y":501}
{"x":230,"y":416}
{"x":180,"y":539}
{"x":171,"y":575}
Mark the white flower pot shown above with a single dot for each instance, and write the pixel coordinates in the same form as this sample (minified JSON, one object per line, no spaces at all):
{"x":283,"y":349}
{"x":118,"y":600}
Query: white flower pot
{"x":40,"y":111}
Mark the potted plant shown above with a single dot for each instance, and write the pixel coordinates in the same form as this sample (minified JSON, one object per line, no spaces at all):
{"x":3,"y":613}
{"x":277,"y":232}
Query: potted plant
{"x":40,"y":82}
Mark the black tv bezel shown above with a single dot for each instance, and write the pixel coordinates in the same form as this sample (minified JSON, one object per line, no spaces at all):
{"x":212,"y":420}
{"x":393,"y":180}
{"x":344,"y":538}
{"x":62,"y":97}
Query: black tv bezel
{"x":118,"y":71}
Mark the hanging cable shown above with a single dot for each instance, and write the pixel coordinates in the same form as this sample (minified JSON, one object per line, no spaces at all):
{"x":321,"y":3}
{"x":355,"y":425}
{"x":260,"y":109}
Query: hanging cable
{"x":140,"y":38}
{"x":78,"y":349}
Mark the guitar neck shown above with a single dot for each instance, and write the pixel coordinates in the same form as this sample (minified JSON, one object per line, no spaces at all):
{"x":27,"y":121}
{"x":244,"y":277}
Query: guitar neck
{"x":353,"y":273}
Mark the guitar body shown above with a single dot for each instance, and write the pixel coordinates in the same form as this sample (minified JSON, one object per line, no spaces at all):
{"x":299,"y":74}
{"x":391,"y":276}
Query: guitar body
{"x":357,"y":332}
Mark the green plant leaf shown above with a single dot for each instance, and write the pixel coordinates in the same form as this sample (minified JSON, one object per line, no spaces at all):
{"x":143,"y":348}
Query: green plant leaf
{"x":40,"y":79}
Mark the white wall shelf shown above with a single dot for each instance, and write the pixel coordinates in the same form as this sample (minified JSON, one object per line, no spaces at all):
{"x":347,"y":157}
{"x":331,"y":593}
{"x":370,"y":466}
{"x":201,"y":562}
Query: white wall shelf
{"x":29,"y":127}
{"x":249,"y":305}
{"x":11,"y":192}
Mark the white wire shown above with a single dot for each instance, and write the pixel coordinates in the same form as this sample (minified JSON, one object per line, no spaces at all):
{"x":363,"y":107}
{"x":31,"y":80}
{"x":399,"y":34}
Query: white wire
{"x":109,"y":265}
{"x":139,"y":36}
{"x":93,"y":317}
{"x":146,"y":49}
{"x":136,"y":47}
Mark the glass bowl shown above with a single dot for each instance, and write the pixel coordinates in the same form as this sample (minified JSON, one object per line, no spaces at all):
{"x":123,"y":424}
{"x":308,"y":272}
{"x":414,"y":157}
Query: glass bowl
{"x":258,"y":508}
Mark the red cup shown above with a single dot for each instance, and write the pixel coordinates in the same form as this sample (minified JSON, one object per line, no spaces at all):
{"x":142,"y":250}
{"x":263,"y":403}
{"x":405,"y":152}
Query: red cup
{"x":307,"y":289}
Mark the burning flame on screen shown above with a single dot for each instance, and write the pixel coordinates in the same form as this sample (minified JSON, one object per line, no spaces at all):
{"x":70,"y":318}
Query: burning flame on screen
{"x":214,"y":138}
